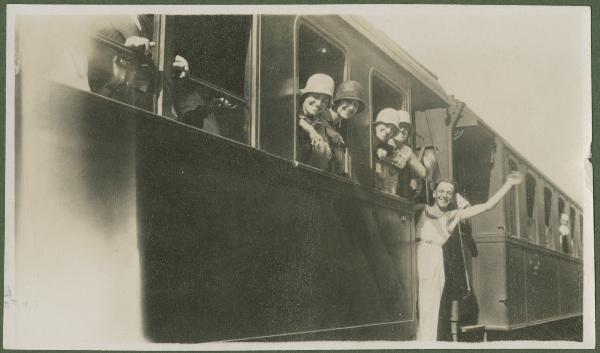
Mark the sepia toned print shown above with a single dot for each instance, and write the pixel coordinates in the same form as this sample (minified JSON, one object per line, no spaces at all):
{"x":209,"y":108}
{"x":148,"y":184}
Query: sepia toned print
{"x":272,"y":180}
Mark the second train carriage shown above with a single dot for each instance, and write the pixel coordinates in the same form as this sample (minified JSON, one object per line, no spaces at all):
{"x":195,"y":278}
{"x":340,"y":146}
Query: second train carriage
{"x":236,"y":239}
{"x":524,"y":275}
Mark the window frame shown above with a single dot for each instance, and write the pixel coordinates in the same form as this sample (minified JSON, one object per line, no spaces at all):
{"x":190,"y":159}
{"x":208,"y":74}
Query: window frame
{"x":516,"y":231}
{"x":405,"y":92}
{"x":333,"y":41}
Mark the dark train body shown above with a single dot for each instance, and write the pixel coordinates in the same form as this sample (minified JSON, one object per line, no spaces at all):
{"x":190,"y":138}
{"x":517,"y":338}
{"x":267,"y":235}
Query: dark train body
{"x":189,"y":236}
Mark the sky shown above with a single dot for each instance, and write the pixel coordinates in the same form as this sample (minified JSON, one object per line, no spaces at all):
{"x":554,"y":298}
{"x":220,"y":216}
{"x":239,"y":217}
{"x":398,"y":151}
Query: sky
{"x":523,"y":70}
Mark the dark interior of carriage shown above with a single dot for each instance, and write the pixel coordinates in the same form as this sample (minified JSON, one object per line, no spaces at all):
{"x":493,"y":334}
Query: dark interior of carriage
{"x":317,"y":55}
{"x":216,"y":47}
{"x":383,"y":95}
{"x":474,"y":156}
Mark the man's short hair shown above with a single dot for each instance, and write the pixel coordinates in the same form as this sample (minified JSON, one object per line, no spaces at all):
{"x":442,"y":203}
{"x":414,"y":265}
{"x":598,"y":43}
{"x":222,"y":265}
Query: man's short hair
{"x":446,"y":180}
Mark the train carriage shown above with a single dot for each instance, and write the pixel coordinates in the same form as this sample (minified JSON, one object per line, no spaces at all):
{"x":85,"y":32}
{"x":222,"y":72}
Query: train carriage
{"x":195,"y":234}
{"x":523,"y":277}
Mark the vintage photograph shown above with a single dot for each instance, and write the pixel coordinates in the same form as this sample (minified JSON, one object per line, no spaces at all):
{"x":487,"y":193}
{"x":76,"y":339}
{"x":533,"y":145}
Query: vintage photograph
{"x":298,"y":177}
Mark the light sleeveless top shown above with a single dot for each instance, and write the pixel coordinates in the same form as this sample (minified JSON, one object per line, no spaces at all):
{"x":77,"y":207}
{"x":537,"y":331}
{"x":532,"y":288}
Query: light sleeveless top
{"x":432,"y":230}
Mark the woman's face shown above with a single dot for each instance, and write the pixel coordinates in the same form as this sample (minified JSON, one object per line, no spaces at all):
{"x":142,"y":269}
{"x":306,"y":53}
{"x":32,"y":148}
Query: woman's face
{"x":315,"y":103}
{"x":403,"y":135}
{"x":385,"y":131}
{"x":347,"y":108}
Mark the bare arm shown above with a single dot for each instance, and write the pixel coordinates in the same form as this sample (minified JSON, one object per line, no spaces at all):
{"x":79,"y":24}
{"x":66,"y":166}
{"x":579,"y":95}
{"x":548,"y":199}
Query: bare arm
{"x":417,"y":166}
{"x":465,"y":213}
{"x":488,"y":205}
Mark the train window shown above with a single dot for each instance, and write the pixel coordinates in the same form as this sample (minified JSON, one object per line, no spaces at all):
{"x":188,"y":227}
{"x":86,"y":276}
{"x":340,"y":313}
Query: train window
{"x":473,"y":153}
{"x":317,"y":55}
{"x":547,"y":206}
{"x":563,"y":229}
{"x":561,"y":206}
{"x":512,"y":204}
{"x":384,"y":95}
{"x":117,"y":68}
{"x":90,"y":53}
{"x":388,"y":178}
{"x":530,"y":185}
{"x":215,"y":95}
{"x":561,"y":210}
{"x":547,"y":215}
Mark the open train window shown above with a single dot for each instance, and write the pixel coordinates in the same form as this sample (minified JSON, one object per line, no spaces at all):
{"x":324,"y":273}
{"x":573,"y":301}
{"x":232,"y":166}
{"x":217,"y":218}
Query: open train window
{"x":547,"y":216}
{"x":512,"y":204}
{"x":125,"y":74}
{"x":564,"y":244}
{"x":530,"y":185}
{"x":388,"y":178}
{"x":319,"y":55}
{"x":561,"y":206}
{"x":216,"y":95}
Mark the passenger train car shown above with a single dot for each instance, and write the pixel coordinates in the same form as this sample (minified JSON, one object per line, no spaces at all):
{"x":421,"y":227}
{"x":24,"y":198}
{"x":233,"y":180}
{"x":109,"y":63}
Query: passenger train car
{"x":133,"y":226}
{"x":526,"y":280}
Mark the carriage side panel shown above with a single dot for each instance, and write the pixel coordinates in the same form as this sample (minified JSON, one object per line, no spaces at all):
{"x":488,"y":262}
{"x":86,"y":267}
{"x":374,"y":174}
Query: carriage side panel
{"x":516,"y":284}
{"x":489,"y":278}
{"x":277,"y":86}
{"x":240,"y":245}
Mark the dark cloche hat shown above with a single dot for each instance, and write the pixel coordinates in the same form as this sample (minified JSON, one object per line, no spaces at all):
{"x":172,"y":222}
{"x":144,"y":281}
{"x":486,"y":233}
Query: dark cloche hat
{"x":350,"y":90}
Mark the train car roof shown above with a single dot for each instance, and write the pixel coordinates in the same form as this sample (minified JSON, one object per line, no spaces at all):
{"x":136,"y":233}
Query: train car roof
{"x":514,"y":151}
{"x":391,"y":48}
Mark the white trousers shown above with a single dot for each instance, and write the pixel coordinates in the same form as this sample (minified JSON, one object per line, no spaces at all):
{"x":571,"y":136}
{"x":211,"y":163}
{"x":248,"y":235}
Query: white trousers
{"x":430,"y":271}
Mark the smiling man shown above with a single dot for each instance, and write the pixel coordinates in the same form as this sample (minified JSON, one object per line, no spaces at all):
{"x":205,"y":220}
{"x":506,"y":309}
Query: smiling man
{"x":432,"y":230}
